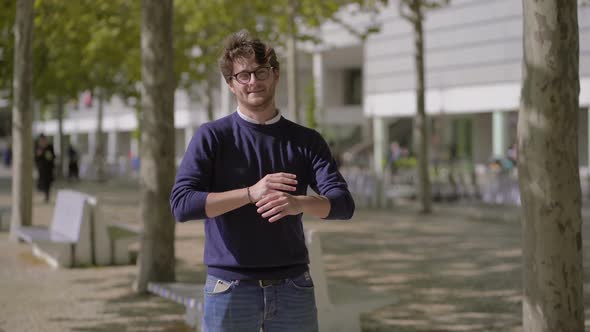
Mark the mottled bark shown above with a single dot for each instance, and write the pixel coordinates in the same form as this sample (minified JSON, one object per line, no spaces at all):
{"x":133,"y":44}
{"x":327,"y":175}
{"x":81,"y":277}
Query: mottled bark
{"x":60,"y":134}
{"x":99,"y":150}
{"x":22,"y":146}
{"x":156,"y":259}
{"x":421,"y":120}
{"x":548,"y":168}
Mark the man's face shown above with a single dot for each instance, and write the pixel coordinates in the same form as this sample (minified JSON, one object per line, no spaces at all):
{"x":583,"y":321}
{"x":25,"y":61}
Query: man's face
{"x":259,"y":91}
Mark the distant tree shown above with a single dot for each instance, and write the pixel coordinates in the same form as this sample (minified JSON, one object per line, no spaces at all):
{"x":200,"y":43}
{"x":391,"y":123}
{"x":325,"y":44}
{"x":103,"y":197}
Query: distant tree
{"x":22,"y":166}
{"x":111,"y":59}
{"x":200,"y":27}
{"x":548,"y":168}
{"x":310,"y":109}
{"x":413,"y":12}
{"x":156,"y":258}
{"x":58,"y":75}
{"x":199,"y":37}
{"x":76,"y":51}
{"x":7,"y":16}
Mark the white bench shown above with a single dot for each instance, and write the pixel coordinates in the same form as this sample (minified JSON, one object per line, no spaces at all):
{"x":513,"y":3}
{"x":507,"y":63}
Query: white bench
{"x":78,"y":235}
{"x":121,"y":237}
{"x":331,"y":318}
{"x":111,"y":239}
{"x":335,"y":317}
{"x":67,"y":242}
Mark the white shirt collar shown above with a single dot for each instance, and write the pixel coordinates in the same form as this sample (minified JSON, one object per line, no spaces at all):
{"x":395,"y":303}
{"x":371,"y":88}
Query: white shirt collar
{"x":275,"y":119}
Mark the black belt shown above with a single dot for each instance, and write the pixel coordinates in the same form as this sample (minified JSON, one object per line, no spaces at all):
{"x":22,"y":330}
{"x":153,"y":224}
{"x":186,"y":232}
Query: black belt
{"x":265,"y":282}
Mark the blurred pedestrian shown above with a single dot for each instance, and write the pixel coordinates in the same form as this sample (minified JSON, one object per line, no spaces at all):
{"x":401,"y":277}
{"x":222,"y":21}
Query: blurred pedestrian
{"x":7,"y":156}
{"x":512,"y":153}
{"x":395,"y":153}
{"x":45,"y":161}
{"x":73,"y":169}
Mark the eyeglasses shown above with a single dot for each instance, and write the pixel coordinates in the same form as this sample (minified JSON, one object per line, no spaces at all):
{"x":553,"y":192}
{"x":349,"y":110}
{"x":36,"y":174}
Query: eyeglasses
{"x":261,"y":73}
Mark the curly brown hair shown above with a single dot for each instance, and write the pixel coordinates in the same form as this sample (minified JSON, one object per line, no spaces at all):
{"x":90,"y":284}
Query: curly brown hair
{"x":242,"y":45}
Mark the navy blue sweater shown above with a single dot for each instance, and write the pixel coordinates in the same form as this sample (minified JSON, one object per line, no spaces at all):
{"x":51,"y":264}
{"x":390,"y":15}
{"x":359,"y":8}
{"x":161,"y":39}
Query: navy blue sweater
{"x":231,"y":153}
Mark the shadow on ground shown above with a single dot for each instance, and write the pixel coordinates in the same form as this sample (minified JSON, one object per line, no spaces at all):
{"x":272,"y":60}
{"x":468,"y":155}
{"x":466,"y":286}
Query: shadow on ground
{"x":128,"y":311}
{"x":446,"y":275}
{"x":446,"y":272}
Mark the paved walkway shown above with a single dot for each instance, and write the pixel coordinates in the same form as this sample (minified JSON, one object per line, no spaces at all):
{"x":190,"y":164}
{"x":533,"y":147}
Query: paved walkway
{"x":458,"y":270}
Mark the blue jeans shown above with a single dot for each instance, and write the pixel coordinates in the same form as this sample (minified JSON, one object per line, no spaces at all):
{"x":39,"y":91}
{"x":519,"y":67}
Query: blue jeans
{"x":245,"y":306}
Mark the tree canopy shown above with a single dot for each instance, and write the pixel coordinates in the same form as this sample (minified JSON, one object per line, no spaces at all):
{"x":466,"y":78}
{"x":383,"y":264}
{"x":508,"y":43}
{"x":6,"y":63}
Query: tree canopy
{"x":7,"y":15}
{"x":95,"y":44}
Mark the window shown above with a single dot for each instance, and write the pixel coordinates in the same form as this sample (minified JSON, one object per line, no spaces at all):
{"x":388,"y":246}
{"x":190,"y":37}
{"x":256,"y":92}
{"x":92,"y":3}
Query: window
{"x":353,"y":86}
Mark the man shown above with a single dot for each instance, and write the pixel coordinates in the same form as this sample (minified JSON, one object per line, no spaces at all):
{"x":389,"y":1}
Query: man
{"x":247,"y":175}
{"x":73,"y":168}
{"x":45,"y":161}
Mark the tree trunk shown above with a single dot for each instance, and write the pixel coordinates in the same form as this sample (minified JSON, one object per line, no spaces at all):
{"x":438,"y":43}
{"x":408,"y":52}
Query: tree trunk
{"x":99,"y":151}
{"x":136,"y":135}
{"x":421,"y":120}
{"x":156,"y":258}
{"x":22,"y":146}
{"x":60,"y":135}
{"x":292,"y":65}
{"x":312,"y":107}
{"x":548,"y":168}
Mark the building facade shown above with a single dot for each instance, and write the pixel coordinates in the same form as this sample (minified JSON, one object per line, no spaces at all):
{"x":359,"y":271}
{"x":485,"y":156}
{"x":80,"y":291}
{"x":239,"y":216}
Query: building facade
{"x":364,"y":88}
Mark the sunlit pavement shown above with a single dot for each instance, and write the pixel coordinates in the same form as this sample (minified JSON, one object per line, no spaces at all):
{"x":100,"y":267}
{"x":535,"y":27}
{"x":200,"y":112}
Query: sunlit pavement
{"x":456,"y":270}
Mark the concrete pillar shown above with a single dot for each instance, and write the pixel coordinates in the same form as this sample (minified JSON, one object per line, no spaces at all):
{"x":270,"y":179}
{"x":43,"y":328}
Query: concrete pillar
{"x":134,"y":147}
{"x":319,"y":86}
{"x":188,"y":135}
{"x":112,"y":147}
{"x":134,"y":153}
{"x":380,"y":156}
{"x":499,"y":133}
{"x":56,"y":144}
{"x":91,"y":142}
{"x":380,"y":145}
{"x":56,"y":141}
{"x":83,"y":148}
{"x":74,"y":140}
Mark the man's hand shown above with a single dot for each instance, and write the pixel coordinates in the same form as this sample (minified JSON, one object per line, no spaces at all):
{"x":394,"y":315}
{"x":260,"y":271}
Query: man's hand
{"x":277,"y":205}
{"x":272,"y":183}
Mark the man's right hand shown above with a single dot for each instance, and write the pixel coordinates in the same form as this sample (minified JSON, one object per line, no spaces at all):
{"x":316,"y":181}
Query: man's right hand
{"x":273,"y":183}
{"x":220,"y":203}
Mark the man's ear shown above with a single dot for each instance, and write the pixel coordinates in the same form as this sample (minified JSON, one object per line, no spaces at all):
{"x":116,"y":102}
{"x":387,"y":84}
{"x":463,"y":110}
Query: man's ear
{"x":231,"y":86}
